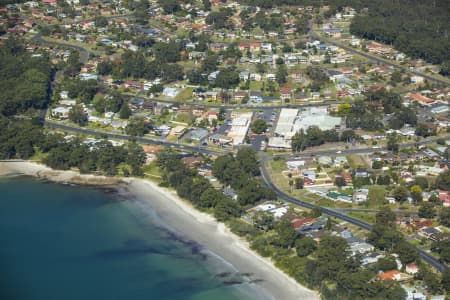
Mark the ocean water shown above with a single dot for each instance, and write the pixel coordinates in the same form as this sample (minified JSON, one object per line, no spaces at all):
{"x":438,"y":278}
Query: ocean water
{"x":64,"y":242}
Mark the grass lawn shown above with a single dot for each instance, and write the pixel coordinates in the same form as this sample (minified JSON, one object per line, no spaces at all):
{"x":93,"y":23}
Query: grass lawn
{"x":152,"y":170}
{"x":355,"y":161}
{"x":363,"y":216}
{"x":185,"y":94}
{"x":278,"y":165}
{"x":256,"y":85}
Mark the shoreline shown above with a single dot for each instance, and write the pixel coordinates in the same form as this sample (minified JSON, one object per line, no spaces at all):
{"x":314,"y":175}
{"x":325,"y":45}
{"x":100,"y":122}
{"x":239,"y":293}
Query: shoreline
{"x":179,"y":214}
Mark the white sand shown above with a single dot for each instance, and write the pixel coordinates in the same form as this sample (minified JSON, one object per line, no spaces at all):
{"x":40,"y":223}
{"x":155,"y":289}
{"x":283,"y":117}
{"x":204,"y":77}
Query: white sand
{"x":18,"y":167}
{"x":183,"y":217}
{"x":214,"y":236}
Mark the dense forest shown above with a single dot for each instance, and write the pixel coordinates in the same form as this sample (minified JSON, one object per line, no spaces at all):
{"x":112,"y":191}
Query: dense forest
{"x":26,"y":88}
{"x":420,"y":29}
{"x":24,"y":80}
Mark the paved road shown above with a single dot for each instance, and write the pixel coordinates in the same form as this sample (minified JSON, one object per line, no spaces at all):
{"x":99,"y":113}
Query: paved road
{"x":313,"y":152}
{"x":398,"y":211}
{"x":124,"y":137}
{"x":376,"y":59}
{"x":84,"y":54}
{"x":332,"y":212}
{"x":335,"y":213}
{"x":141,"y":94}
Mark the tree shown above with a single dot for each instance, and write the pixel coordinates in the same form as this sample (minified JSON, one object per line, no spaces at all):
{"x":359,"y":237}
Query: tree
{"x":222,"y":114}
{"x":166,"y":52}
{"x":299,"y":184}
{"x":339,"y":181}
{"x":138,"y":127}
{"x":392,"y":142}
{"x":169,"y":6}
{"x":125,"y":111}
{"x":286,"y":234}
{"x":305,"y":246}
{"x":446,"y":280}
{"x":332,"y":255}
{"x":281,"y":74}
{"x":246,"y":157}
{"x":376,"y":165}
{"x":386,"y":264}
{"x":78,"y":116}
{"x":259,"y":126}
{"x":444,"y":216}
{"x":416,"y":194}
{"x":298,"y":142}
{"x":225,"y":209}
{"x":104,"y":67}
{"x":427,"y":210}
{"x":443,"y":181}
{"x":261,"y":68}
{"x":400,"y":194}
{"x":227,"y":78}
{"x":209,"y":198}
{"x":422,"y":182}
{"x":407,"y":252}
{"x":263,"y":220}
{"x":206,"y":5}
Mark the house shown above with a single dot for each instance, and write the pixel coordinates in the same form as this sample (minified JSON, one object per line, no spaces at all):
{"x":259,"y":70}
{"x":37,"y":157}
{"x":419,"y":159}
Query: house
{"x":340,"y":161}
{"x":239,"y":96}
{"x":255,"y":97}
{"x":295,"y":165}
{"x":230,"y":192}
{"x":393,"y":275}
{"x":285,"y":93}
{"x":310,"y":174}
{"x":417,"y":79}
{"x":325,"y":160}
{"x":422,"y":100}
{"x":298,"y":223}
{"x":255,"y":77}
{"x":192,"y":161}
{"x":430,"y":233}
{"x":170,"y":92}
{"x":360,"y":196}
{"x":360,"y":248}
{"x":371,"y":258}
{"x":199,"y":134}
{"x":411,"y":269}
{"x":60,"y":112}
{"x":347,"y":177}
{"x":361,"y":173}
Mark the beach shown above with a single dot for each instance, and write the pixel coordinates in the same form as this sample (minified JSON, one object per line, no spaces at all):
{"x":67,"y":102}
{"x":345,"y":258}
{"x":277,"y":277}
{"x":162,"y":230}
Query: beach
{"x":212,"y":236}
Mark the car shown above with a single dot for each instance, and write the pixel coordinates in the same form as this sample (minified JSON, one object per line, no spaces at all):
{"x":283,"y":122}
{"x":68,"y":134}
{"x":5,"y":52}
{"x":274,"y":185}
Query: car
{"x":339,"y":152}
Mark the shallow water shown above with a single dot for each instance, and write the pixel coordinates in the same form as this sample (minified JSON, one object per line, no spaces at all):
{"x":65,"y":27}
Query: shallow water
{"x":64,"y":242}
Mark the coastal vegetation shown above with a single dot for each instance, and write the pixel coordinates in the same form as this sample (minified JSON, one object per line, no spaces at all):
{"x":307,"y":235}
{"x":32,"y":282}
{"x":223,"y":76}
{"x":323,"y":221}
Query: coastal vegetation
{"x":25,"y":82}
{"x":321,"y":266}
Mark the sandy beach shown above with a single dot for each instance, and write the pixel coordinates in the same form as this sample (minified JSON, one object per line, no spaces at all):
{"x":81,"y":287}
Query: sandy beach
{"x":18,"y":167}
{"x":184,"y":218}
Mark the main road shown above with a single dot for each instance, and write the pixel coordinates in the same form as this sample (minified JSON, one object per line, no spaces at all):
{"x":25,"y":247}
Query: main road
{"x":124,"y":137}
{"x":332,"y":212}
{"x":374,"y":58}
{"x":335,"y":213}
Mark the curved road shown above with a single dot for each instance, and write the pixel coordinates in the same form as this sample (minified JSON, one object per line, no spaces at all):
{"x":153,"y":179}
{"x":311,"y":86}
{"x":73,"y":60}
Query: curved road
{"x":84,"y":54}
{"x":332,"y":212}
{"x":335,"y":213}
{"x":374,"y":58}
